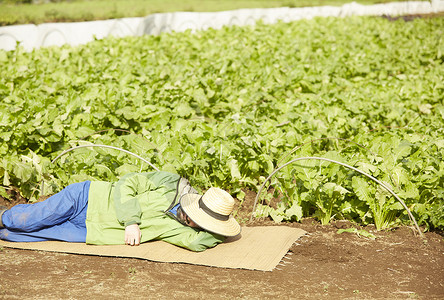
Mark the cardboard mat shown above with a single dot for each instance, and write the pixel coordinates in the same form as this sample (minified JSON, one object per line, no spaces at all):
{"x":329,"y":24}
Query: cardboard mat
{"x":257,"y":248}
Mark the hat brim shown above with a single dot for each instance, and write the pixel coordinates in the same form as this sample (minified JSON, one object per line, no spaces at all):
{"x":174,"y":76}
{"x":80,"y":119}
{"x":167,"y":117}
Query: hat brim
{"x":190,"y":205}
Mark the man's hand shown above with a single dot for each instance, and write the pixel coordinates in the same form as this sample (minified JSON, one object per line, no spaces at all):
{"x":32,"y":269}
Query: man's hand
{"x":132,"y":235}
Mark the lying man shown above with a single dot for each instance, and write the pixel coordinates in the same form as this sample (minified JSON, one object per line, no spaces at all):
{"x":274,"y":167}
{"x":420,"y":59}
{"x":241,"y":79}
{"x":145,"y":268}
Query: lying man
{"x":140,"y":207}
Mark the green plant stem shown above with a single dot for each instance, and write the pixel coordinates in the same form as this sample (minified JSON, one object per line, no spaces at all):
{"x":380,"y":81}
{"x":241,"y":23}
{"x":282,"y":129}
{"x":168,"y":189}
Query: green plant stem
{"x":412,"y":218}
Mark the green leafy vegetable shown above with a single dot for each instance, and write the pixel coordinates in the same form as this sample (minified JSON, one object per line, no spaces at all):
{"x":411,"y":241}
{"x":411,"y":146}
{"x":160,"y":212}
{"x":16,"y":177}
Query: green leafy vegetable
{"x":224,"y":107}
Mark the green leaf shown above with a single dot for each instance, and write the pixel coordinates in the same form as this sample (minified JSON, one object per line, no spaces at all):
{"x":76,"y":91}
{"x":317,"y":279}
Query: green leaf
{"x":3,"y":193}
{"x":234,"y":169}
{"x":124,"y":169}
{"x":332,"y":187}
{"x":294,"y":211}
{"x":362,"y":189}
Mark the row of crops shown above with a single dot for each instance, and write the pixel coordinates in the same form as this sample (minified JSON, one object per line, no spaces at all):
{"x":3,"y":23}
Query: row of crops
{"x":226,"y":107}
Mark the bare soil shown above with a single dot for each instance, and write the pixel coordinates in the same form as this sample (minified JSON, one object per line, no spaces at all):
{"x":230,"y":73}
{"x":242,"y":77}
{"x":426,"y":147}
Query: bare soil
{"x":398,"y":264}
{"x":322,"y":265}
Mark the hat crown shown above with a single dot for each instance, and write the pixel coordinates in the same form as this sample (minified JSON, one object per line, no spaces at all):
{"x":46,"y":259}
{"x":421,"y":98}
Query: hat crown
{"x":219,"y":201}
{"x":212,"y":211}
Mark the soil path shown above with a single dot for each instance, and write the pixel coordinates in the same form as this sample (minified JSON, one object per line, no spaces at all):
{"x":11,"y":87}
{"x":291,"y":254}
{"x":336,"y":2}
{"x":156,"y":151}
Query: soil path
{"x":322,"y":265}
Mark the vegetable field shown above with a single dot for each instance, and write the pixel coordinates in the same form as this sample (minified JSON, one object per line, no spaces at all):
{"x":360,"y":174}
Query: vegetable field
{"x":227,"y":107}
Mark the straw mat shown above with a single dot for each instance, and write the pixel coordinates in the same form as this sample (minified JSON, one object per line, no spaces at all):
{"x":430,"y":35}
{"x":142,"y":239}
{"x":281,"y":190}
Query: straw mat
{"x":257,"y":248}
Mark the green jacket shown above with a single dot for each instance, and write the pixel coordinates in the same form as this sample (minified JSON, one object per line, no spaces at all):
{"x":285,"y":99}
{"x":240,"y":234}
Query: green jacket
{"x":144,"y":199}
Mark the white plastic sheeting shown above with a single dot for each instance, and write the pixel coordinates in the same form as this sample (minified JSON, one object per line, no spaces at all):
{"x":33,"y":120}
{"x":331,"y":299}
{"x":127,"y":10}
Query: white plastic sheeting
{"x":50,"y":34}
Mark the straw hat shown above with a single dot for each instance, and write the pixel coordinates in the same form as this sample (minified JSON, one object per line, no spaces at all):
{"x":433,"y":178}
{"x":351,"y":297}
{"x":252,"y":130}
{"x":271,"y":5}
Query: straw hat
{"x":212,"y":211}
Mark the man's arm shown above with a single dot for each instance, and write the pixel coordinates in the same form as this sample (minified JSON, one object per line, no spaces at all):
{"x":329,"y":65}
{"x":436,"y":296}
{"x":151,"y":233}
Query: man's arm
{"x":192,"y":239}
{"x":127,"y":206}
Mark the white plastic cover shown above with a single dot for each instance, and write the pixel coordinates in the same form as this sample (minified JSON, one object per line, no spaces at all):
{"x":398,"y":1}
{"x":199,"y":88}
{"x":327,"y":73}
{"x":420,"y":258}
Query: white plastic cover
{"x":50,"y":34}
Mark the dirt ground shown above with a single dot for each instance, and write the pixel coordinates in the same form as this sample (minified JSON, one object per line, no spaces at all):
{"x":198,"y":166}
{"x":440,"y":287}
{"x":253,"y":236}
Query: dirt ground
{"x":322,"y":265}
